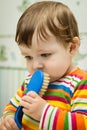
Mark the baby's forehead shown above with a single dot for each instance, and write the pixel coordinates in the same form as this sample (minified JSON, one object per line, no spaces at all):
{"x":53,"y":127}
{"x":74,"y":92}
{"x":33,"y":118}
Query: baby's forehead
{"x":41,"y":38}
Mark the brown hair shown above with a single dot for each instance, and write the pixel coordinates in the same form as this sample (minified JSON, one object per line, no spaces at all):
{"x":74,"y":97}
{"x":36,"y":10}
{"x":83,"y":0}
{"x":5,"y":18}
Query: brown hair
{"x":54,"y":16}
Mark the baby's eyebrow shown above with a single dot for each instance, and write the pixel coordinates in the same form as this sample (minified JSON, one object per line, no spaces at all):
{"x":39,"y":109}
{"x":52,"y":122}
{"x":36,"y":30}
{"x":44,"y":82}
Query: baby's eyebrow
{"x":24,"y":53}
{"x":43,"y":50}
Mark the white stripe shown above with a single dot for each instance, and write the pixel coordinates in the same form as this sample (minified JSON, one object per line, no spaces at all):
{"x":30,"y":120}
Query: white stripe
{"x":69,"y":121}
{"x":13,"y":102}
{"x":71,"y":79}
{"x":41,"y":120}
{"x":29,"y":119}
{"x":18,"y":98}
{"x":52,"y":118}
{"x":47,"y":117}
{"x":79,"y":100}
{"x":67,"y":85}
{"x":46,"y":121}
{"x":80,"y":108}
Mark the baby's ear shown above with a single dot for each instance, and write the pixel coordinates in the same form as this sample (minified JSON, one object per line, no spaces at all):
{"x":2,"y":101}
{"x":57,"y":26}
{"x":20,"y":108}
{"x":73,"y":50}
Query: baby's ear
{"x":74,"y":45}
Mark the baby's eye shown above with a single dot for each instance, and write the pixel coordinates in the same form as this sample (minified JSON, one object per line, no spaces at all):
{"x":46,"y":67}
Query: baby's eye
{"x":46,"y":54}
{"x":28,"y":57}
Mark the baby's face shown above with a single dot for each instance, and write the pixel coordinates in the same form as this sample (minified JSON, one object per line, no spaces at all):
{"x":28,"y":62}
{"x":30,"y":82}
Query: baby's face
{"x":50,"y":56}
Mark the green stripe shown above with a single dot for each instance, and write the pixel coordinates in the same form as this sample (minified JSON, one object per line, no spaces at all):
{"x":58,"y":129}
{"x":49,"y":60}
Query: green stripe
{"x":82,"y":82}
{"x":71,"y":78}
{"x":59,"y":94}
{"x":80,"y":103}
{"x":66,"y":122}
{"x":49,"y":120}
{"x":8,"y":113}
{"x":31,"y":118}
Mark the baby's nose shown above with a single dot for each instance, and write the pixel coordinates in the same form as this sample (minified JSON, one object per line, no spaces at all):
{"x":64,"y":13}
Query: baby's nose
{"x":37,"y":64}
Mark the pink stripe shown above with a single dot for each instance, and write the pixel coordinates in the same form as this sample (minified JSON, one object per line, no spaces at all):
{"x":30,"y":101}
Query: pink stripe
{"x":22,"y":88}
{"x":55,"y":120}
{"x":83,"y":86}
{"x":71,"y":85}
{"x":44,"y":116}
{"x":76,"y":76}
{"x":56,"y":98}
{"x":66,"y":82}
{"x":73,"y":121}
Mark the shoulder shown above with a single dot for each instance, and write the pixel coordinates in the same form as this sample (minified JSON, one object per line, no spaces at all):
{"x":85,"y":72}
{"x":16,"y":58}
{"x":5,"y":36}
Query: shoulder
{"x":80,"y":72}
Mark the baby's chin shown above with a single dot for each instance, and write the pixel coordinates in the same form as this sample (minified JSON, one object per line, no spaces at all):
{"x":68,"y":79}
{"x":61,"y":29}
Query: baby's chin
{"x":53,"y":79}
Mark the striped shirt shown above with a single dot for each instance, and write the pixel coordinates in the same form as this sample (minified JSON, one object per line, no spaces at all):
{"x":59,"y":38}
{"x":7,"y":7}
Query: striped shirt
{"x":66,"y":107}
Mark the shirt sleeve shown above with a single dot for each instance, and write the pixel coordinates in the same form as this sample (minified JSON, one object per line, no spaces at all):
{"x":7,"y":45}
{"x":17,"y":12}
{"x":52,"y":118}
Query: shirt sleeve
{"x":11,"y":107}
{"x":54,"y":118}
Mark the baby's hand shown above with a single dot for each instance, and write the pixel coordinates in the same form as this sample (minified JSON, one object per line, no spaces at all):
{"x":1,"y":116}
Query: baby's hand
{"x":33,"y":105}
{"x":8,"y":124}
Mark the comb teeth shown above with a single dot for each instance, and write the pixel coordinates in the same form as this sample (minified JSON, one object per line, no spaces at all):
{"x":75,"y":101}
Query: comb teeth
{"x":45,"y":84}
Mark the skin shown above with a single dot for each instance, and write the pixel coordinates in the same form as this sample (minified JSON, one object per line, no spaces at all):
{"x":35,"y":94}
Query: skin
{"x":51,"y":57}
{"x":8,"y":124}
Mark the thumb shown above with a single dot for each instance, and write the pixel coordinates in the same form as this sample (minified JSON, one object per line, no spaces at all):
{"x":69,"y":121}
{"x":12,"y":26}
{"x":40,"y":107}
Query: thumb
{"x":22,"y":128}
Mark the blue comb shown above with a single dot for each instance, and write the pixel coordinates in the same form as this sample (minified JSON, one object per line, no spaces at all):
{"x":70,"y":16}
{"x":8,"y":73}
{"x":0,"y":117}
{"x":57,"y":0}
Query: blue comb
{"x":35,"y":84}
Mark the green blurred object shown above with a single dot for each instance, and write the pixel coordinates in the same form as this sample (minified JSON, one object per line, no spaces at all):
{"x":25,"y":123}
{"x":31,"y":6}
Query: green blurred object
{"x":24,"y":5}
{"x":79,"y":57}
{"x":3,"y":56}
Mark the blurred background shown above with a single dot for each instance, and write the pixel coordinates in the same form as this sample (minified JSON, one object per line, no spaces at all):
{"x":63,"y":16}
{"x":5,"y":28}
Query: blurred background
{"x":12,"y":65}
